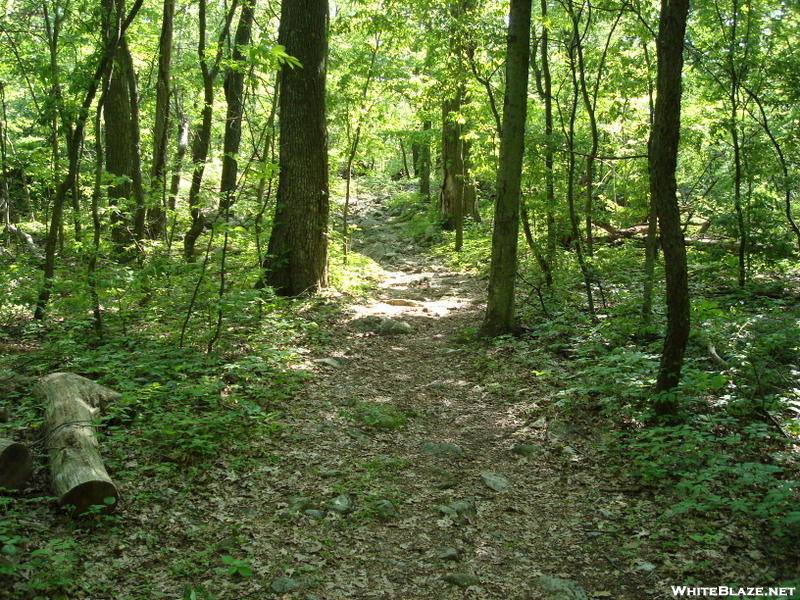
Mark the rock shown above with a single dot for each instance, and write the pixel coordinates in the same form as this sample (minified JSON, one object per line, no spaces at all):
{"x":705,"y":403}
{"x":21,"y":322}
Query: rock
{"x":366,"y":324}
{"x":459,"y":511}
{"x":463,"y":580}
{"x":385,"y":509}
{"x":296,"y":505}
{"x":331,"y":473}
{"x":331,"y":362}
{"x":441,"y":450}
{"x":316,"y":514}
{"x":526,"y":450}
{"x":376,"y":251}
{"x":341,"y":504}
{"x":392,"y":327}
{"x":449,"y":554}
{"x":464,"y":508}
{"x":560,"y":589}
{"x":284,"y":585}
{"x":380,"y":325}
{"x":402,"y":302}
{"x":495,"y":482}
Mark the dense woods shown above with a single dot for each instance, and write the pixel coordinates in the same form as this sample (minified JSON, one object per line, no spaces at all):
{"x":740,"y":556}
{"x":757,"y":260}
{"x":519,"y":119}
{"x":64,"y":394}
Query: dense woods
{"x":179,"y":195}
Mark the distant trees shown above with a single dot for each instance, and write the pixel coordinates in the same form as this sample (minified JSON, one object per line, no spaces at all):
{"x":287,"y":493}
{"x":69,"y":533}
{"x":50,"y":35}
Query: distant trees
{"x":151,"y":132}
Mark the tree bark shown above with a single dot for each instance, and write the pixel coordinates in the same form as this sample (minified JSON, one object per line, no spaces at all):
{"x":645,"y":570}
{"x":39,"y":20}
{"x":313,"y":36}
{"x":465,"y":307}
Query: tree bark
{"x":296,"y":260}
{"x":499,"y":317}
{"x":234,"y":90}
{"x":15,"y":464}
{"x":79,"y":478}
{"x":157,"y":217}
{"x":663,"y":189}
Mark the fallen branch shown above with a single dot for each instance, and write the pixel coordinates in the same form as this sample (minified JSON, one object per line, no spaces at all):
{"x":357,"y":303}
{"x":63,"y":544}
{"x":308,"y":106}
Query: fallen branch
{"x":79,"y":478}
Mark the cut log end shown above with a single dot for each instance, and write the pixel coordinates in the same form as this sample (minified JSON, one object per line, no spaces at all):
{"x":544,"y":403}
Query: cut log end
{"x":82,"y":497}
{"x":16,"y":464}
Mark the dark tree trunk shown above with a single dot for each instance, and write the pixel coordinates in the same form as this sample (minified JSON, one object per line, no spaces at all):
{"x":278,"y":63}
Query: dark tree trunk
{"x":157,"y":218}
{"x":499,"y":317}
{"x":663,"y":189}
{"x":122,"y":152}
{"x":425,"y":164}
{"x":451,"y":197}
{"x":234,"y":90}
{"x":298,"y":247}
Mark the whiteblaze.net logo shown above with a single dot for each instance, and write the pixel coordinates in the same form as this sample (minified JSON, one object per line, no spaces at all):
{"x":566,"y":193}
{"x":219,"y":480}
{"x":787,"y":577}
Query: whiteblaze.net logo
{"x":733,"y":592}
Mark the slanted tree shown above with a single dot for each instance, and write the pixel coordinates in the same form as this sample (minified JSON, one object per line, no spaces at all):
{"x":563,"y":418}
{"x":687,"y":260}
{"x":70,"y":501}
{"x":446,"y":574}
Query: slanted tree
{"x":663,"y":159}
{"x":499,"y":318}
{"x":297,"y":253}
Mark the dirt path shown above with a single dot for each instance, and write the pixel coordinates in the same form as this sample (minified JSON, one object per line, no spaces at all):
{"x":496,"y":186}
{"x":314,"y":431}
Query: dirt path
{"x":446,"y":533}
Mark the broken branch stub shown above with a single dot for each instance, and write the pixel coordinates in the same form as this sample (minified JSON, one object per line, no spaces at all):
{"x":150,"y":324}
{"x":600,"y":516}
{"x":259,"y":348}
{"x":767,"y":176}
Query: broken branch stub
{"x":79,"y":478}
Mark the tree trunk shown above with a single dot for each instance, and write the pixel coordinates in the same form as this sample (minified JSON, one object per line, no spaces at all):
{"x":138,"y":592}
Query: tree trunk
{"x":157,"y":217}
{"x":499,"y":317}
{"x":298,"y":246}
{"x":663,"y":190}
{"x":79,"y":478}
{"x":15,"y":464}
{"x":121,"y":149}
{"x":202,"y":139}
{"x":425,"y":164}
{"x":451,"y":197}
{"x":234,"y":90}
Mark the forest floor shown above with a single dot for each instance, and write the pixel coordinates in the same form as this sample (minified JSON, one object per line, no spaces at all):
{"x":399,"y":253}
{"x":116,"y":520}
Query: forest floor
{"x":412,"y":466}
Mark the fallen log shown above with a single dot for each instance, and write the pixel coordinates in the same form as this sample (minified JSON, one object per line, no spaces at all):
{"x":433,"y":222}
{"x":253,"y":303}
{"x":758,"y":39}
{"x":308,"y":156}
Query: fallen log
{"x":16,"y":464}
{"x":79,"y":478}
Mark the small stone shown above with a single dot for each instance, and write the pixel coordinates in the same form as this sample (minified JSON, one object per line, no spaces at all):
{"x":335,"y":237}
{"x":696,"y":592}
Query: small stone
{"x":316,"y":514}
{"x":392,"y":327}
{"x":331,"y":362}
{"x":284,"y":585}
{"x":385,"y":509}
{"x":526,"y":450}
{"x":341,"y":504}
{"x":560,"y":589}
{"x":463,"y":580}
{"x":645,"y":567}
{"x":331,"y":473}
{"x":298,"y":504}
{"x":441,"y":450}
{"x":449,"y":554}
{"x":495,"y":482}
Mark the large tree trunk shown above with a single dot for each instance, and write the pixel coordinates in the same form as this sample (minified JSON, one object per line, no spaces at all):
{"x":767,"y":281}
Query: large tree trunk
{"x":15,"y":464}
{"x":79,"y":479}
{"x":663,"y":190}
{"x":499,"y":317}
{"x":298,"y":246}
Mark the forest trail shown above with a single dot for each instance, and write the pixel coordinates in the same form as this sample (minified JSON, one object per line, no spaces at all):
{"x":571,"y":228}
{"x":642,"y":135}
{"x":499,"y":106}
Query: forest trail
{"x":407,"y":478}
